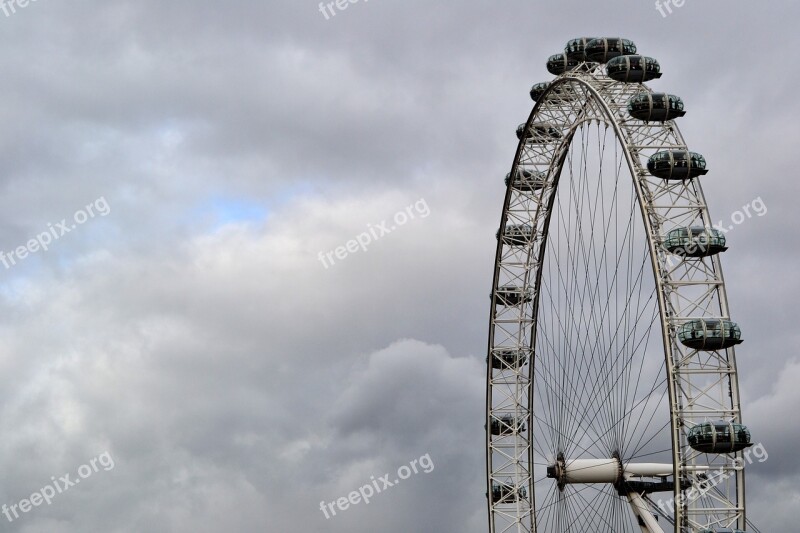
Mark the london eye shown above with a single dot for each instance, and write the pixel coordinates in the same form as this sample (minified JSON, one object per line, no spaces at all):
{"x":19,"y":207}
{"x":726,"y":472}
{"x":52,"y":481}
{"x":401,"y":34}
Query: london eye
{"x":612,"y":390}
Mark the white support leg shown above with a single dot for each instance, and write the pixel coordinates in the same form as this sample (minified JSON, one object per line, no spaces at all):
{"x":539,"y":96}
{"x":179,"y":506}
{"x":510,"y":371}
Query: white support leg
{"x":647,"y":521}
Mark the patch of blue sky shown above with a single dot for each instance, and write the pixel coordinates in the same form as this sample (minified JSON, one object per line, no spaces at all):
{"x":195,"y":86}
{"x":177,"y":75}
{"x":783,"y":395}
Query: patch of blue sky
{"x":234,"y":210}
{"x":222,"y":210}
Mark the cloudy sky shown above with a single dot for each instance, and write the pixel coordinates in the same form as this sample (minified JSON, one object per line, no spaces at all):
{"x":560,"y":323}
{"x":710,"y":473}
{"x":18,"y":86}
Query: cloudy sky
{"x":186,"y":162}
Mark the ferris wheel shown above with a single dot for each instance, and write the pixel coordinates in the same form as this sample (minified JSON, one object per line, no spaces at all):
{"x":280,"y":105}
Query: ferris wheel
{"x":612,"y":390}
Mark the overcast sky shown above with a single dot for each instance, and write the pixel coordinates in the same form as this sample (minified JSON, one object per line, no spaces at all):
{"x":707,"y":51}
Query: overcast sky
{"x":186,"y":330}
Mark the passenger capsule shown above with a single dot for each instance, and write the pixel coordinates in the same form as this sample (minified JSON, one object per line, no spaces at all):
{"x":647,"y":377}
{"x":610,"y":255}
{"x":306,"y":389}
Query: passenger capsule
{"x":510,"y":358}
{"x":539,"y":133}
{"x":719,"y":437}
{"x":526,"y":180}
{"x":517,"y":235}
{"x":633,"y":69}
{"x":677,"y":165}
{"x":506,"y":425}
{"x":509,"y":295}
{"x":605,"y":49}
{"x":576,"y":48}
{"x":559,"y":64}
{"x":507,"y":493}
{"x":563,"y":91}
{"x":657,"y":107}
{"x":696,"y":241}
{"x":710,"y":334}
{"x":722,"y":530}
{"x":538,"y":90}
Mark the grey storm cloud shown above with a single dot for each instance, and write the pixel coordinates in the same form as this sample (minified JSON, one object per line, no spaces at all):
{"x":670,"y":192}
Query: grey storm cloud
{"x":194,"y":335}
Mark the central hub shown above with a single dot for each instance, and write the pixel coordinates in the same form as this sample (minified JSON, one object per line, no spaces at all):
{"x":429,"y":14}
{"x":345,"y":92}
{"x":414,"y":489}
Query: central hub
{"x":556,"y":471}
{"x":585,"y":470}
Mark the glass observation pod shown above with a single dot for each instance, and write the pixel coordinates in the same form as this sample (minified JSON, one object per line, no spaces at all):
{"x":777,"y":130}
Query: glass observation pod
{"x":719,"y":437}
{"x":539,"y":133}
{"x":576,"y":48}
{"x":527,"y":180}
{"x":559,"y":64}
{"x":657,"y":107}
{"x":562,"y":90}
{"x":696,"y":241}
{"x":604,"y":49}
{"x":722,"y":530}
{"x":506,"y":425}
{"x":509,"y":295}
{"x":506,"y":493}
{"x":517,"y":235}
{"x":633,"y":69}
{"x":513,"y":358}
{"x":710,"y":334}
{"x":538,"y":90}
{"x":677,"y":165}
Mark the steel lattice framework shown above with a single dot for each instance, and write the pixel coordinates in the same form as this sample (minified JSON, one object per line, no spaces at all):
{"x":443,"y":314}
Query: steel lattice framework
{"x":707,"y":490}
